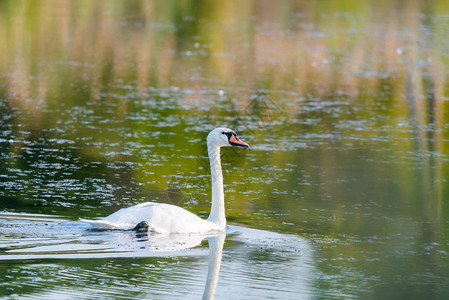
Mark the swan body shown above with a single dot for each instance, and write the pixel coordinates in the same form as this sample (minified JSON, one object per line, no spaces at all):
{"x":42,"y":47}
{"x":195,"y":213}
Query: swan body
{"x":161,"y":218}
{"x":167,"y":218}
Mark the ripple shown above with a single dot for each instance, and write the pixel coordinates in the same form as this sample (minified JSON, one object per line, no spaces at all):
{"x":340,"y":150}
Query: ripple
{"x":64,"y":257}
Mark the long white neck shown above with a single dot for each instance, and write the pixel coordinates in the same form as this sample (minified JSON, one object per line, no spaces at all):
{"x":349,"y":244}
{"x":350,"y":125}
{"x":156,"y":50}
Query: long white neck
{"x":217,"y":211}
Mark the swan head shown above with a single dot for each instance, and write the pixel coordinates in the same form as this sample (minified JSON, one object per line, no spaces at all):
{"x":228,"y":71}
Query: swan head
{"x":225,"y":137}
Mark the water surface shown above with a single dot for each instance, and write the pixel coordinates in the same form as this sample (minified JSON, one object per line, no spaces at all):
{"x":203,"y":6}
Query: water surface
{"x":104,"y":105}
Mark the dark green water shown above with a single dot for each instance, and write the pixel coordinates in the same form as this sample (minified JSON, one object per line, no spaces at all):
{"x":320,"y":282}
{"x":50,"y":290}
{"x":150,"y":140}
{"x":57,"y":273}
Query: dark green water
{"x":107,"y":104}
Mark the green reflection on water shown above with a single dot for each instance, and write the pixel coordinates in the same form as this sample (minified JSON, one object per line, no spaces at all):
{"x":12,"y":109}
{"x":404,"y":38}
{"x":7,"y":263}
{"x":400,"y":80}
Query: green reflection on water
{"x":107,"y":104}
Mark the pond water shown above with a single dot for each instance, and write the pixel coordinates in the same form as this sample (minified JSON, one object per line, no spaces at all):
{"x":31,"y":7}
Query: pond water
{"x":107,"y":104}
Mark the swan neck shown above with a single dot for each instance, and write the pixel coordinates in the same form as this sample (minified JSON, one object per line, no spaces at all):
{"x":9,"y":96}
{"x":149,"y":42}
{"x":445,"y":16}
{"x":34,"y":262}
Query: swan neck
{"x":217,"y":212}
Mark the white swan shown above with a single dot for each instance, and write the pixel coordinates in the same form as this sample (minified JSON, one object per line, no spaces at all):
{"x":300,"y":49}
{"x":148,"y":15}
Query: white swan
{"x":166,"y":218}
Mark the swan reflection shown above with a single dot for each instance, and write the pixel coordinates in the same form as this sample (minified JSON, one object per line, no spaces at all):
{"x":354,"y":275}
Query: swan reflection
{"x":177,"y":242}
{"x":215,"y":253}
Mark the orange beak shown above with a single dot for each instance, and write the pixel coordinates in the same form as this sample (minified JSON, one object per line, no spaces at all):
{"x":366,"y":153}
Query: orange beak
{"x":235,"y":141}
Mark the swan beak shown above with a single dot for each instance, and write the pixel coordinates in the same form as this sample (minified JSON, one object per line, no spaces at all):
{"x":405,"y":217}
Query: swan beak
{"x":235,"y":141}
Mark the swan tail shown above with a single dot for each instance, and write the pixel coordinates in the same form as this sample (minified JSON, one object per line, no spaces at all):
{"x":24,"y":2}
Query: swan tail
{"x":99,"y":224}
